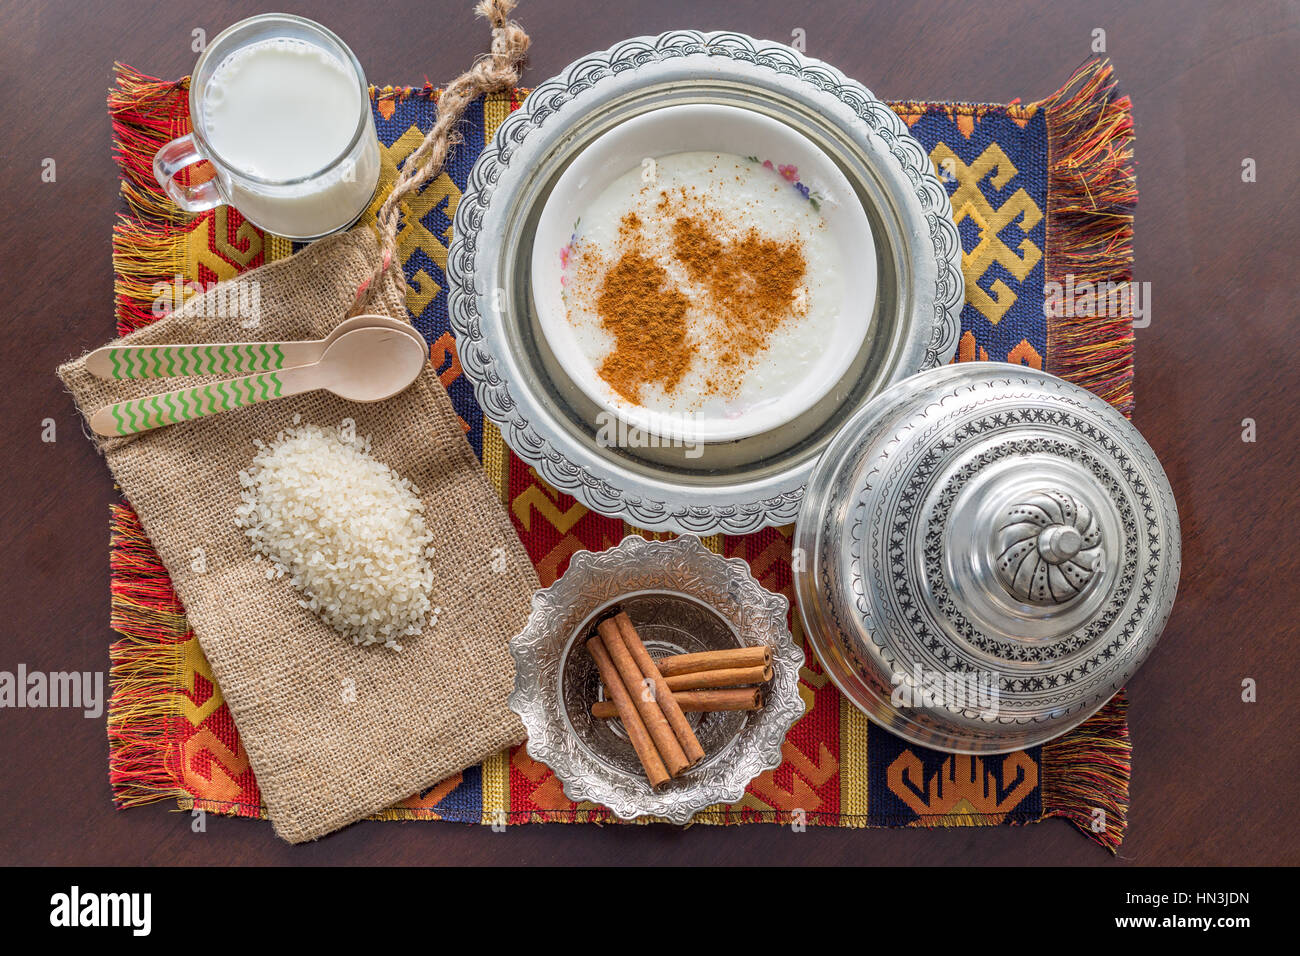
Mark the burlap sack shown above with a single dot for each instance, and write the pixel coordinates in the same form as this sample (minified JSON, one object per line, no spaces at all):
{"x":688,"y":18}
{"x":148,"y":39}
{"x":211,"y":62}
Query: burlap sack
{"x":333,"y":732}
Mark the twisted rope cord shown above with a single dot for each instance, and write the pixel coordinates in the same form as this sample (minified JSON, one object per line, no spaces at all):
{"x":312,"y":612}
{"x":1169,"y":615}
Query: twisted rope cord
{"x":491,"y":72}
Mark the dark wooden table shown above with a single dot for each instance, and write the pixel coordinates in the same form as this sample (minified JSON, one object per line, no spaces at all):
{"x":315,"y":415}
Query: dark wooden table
{"x":1214,"y":778}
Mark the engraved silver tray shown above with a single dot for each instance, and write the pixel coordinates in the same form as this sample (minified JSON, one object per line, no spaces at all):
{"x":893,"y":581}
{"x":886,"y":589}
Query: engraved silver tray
{"x":986,"y":554}
{"x":734,"y":487}
{"x":682,"y":598}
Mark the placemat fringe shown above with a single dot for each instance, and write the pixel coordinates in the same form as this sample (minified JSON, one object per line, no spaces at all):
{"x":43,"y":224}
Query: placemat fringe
{"x":144,"y":662}
{"x":146,"y":113}
{"x":1088,"y":770}
{"x":146,"y":258}
{"x":144,"y":666}
{"x":147,"y":247}
{"x":1092,"y":194}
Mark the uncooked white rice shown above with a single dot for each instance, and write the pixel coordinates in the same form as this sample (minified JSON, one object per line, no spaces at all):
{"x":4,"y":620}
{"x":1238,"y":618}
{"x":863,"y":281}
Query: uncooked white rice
{"x":346,"y":529}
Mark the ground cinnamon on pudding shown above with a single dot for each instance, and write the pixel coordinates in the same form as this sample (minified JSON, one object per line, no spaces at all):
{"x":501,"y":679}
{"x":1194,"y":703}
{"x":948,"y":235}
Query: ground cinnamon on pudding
{"x":752,"y":284}
{"x":744,"y":284}
{"x":648,"y":321}
{"x":696,"y":246}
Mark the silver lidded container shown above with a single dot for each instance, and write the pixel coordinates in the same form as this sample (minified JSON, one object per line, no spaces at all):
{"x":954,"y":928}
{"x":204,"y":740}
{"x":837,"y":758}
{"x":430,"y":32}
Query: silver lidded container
{"x":985,"y":555}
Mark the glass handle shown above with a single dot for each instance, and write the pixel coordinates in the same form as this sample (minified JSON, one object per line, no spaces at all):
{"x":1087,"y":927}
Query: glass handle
{"x":170,"y":160}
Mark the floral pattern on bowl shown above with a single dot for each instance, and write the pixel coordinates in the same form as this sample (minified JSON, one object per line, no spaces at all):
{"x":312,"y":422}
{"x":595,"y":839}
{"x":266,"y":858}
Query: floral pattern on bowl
{"x":791,"y":175}
{"x":565,"y":252}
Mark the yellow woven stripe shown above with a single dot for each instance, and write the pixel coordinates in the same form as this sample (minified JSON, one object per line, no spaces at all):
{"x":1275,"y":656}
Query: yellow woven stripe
{"x":496,"y":790}
{"x":278,"y":247}
{"x":853,"y":765}
{"x":496,"y":768}
{"x":495,"y":462}
{"x":496,"y":107}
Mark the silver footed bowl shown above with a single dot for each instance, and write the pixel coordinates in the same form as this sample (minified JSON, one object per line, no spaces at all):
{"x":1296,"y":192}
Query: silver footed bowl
{"x":731,"y":487}
{"x":682,"y":598}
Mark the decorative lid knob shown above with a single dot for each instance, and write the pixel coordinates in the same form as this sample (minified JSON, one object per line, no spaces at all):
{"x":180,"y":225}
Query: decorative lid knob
{"x":1048,"y":548}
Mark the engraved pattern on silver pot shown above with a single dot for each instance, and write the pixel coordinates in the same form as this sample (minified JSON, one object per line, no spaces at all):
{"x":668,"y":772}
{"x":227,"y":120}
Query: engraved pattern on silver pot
{"x":762,"y":495}
{"x":560,"y":620}
{"x":927,"y":521}
{"x":924,"y":631}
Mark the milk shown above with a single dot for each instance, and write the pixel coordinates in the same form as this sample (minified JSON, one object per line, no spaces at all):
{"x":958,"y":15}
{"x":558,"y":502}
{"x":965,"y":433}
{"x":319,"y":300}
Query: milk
{"x":284,"y":111}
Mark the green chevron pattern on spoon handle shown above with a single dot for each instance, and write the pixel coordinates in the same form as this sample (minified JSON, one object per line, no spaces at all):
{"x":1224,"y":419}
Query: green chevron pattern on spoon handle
{"x":186,"y":404}
{"x":144,"y":361}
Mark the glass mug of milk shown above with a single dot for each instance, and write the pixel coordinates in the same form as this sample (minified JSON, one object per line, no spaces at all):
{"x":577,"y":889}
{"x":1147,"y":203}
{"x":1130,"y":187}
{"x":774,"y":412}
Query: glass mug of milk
{"x":281,"y":110}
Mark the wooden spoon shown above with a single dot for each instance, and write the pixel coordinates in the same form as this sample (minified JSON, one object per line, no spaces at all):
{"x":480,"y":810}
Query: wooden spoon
{"x":225,"y":358}
{"x":364,"y":365}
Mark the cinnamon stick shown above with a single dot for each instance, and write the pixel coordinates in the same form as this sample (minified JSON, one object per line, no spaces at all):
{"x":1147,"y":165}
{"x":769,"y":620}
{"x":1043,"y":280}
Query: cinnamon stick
{"x":672,"y":711}
{"x":636,"y":730}
{"x":699,"y":701}
{"x":760,"y":655}
{"x":732,"y":677}
{"x":647,"y":705}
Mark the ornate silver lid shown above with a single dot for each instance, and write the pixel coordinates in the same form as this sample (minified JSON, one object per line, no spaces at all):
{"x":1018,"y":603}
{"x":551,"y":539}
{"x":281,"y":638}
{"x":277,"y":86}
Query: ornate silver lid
{"x":985,"y":555}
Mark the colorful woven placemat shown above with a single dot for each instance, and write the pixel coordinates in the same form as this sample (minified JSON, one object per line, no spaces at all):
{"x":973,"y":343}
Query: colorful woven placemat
{"x":1038,"y":191}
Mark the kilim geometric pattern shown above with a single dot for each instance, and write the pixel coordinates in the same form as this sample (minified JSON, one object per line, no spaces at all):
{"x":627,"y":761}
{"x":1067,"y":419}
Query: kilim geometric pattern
{"x":172,"y":735}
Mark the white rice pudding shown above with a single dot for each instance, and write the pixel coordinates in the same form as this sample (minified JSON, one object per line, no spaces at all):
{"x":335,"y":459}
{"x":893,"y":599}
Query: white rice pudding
{"x":736,"y":197}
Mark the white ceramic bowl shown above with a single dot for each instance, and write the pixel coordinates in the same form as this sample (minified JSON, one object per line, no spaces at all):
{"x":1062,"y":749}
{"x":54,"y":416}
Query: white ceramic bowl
{"x":722,"y":129}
